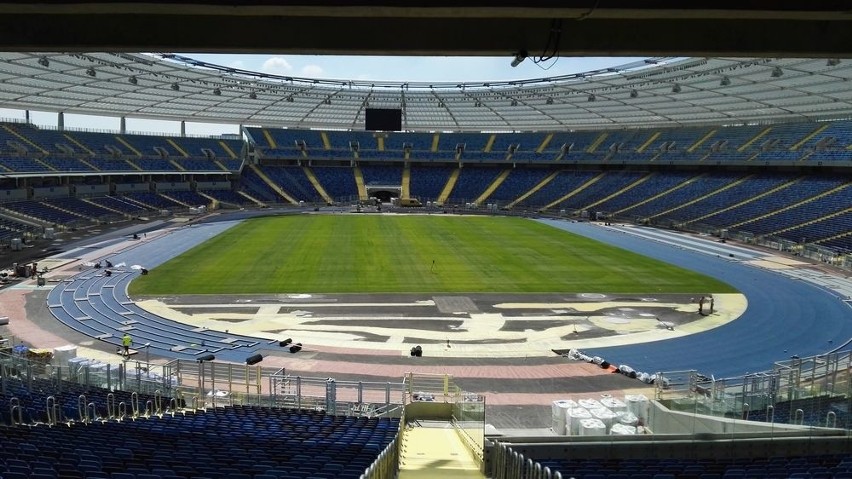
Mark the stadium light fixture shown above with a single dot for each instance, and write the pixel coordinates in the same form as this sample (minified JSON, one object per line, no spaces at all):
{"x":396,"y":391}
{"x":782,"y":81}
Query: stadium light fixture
{"x":725,"y":81}
{"x":832,"y":62}
{"x":133,"y":80}
{"x":253,"y":95}
{"x":592,"y":97}
{"x":634,"y":93}
{"x":519,"y":58}
{"x":549,"y":101}
{"x":777,"y":72}
{"x":514,"y":102}
{"x":175,"y":86}
{"x":91,"y":72}
{"x":43,"y":61}
{"x":676,"y":88}
{"x":289,"y":99}
{"x":217,"y":91}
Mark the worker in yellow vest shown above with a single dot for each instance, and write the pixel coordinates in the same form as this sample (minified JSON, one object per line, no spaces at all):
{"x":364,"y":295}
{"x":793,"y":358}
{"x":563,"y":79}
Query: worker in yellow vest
{"x":126,"y":341}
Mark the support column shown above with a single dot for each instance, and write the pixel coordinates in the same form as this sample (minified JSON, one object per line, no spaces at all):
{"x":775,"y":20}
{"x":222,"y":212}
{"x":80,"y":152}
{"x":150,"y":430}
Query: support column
{"x":60,"y":121}
{"x":27,"y":116}
{"x":182,"y":128}
{"x":123,"y":126}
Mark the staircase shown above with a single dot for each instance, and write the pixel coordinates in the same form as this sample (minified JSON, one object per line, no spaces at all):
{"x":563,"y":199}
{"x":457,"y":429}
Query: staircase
{"x":794,"y":205}
{"x":317,"y":186}
{"x":532,"y":190}
{"x":448,"y":188}
{"x":835,"y":237}
{"x":696,"y":200}
{"x":177,"y":165}
{"x":493,"y":186}
{"x":659,"y":195}
{"x":621,"y":191}
{"x":79,"y":145}
{"x":817,"y":220}
{"x":758,"y":136}
{"x":544,"y":143}
{"x":128,"y":145}
{"x":809,"y":136}
{"x":326,"y":143}
{"x":269,"y":140}
{"x":178,"y":148}
{"x":359,"y":181}
{"x":595,"y":144}
{"x":749,"y":200}
{"x":26,"y":140}
{"x":172,"y":198}
{"x":489,"y":143}
{"x":701,"y":141}
{"x":251,"y":198}
{"x":435,"y":451}
{"x":228,"y":149}
{"x":575,"y":191}
{"x":648,"y":142}
{"x":272,"y":184}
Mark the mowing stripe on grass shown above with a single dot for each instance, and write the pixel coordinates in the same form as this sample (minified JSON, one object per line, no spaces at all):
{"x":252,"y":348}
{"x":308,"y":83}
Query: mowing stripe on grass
{"x":388,"y":253}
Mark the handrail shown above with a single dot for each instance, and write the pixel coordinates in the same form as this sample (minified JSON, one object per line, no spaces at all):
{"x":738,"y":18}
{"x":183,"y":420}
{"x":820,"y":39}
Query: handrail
{"x":770,"y":413}
{"x":173,"y":406}
{"x":82,"y":411}
{"x":158,"y":401}
{"x":746,"y":410}
{"x":122,"y":410}
{"x":149,"y":408}
{"x":110,"y":405}
{"x":831,"y":418}
{"x":134,"y":403}
{"x":15,"y":406}
{"x":799,"y":417}
{"x":94,"y":409}
{"x":50,"y":404}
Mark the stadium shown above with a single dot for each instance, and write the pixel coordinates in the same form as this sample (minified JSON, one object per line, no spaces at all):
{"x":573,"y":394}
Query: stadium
{"x":634,"y":272}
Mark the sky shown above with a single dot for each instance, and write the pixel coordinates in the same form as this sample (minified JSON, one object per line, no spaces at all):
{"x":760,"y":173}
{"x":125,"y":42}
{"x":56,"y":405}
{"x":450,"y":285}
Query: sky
{"x":401,"y":69}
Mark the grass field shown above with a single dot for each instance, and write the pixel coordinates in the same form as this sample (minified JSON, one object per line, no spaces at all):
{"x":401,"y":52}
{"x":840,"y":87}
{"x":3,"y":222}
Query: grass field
{"x":363,"y":254}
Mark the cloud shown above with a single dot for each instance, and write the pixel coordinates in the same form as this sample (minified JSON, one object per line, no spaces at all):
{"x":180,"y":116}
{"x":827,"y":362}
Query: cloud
{"x":276,"y":66}
{"x":312,"y":70}
{"x":237,"y":64}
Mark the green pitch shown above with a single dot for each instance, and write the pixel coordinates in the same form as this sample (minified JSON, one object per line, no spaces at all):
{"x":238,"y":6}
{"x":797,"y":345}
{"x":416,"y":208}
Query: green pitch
{"x":364,"y":254}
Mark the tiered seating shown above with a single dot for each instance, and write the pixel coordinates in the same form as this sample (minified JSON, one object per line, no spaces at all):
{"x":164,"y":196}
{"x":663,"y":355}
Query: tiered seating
{"x":563,"y":184}
{"x":258,"y":188}
{"x":802,"y":213}
{"x":338,"y":182}
{"x":382,"y":175}
{"x":806,"y":188}
{"x":42,"y":212}
{"x":610,"y":183}
{"x":657,"y":183}
{"x":190,"y":198}
{"x":79,"y":207}
{"x":680,"y":197}
{"x":428,"y":181}
{"x":737,"y":194}
{"x":152,"y":200}
{"x":294,"y":181}
{"x":66,"y":164}
{"x":154,"y":164}
{"x":233,"y":442}
{"x":100,"y":143}
{"x":472,"y":182}
{"x":118,"y":204}
{"x":417,"y":141}
{"x":228,"y":196}
{"x":517,"y":183}
{"x":110,"y":164}
{"x":8,"y":139}
{"x":22,"y":165}
{"x":197,"y":164}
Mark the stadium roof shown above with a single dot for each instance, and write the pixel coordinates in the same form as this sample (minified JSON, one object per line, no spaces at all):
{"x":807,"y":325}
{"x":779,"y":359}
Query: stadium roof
{"x":656,"y":92}
{"x":778,"y":28}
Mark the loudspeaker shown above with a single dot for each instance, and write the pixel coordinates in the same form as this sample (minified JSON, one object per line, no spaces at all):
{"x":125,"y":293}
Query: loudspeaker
{"x":417,"y":351}
{"x":285,"y":342}
{"x":206,"y":357}
{"x":254,"y":359}
{"x":296,"y":348}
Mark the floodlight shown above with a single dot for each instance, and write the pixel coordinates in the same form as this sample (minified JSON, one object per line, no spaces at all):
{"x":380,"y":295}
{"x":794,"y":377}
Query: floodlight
{"x":777,"y":72}
{"x":175,"y":87}
{"x":592,"y":97}
{"x":289,"y":99}
{"x":725,"y":81}
{"x":519,"y":58}
{"x":253,"y":95}
{"x":549,"y":101}
{"x":634,"y":93}
{"x":831,"y":62}
{"x":676,"y":88}
{"x":217,"y":91}
{"x":133,"y":80}
{"x":91,"y":71}
{"x":43,"y":61}
{"x":514,"y":103}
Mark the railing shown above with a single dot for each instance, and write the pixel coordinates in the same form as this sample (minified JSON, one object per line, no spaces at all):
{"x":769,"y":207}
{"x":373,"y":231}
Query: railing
{"x":510,"y":464}
{"x":815,"y":391}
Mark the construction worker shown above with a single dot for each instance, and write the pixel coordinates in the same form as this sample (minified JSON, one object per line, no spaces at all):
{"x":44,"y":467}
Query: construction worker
{"x":126,"y":341}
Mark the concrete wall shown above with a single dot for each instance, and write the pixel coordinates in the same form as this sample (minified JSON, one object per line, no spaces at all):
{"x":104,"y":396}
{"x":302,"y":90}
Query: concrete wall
{"x":51,"y":192}
{"x":13,"y":195}
{"x":132,"y":187}
{"x":171,"y":186}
